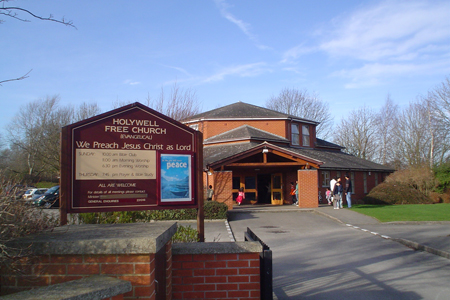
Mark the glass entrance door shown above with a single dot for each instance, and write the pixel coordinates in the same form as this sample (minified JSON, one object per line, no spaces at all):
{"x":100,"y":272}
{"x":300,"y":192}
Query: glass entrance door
{"x":277,"y":188}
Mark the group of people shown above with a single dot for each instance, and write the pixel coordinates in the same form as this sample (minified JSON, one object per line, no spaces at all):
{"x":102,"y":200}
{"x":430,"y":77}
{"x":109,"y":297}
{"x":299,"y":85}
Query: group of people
{"x":336,"y":192}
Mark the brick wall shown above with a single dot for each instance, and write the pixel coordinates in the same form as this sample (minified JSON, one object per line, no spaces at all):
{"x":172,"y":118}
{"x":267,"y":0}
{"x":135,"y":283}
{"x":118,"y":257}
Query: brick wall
{"x":46,"y":270}
{"x":223,"y":184}
{"x":307,"y":188}
{"x":216,"y":276}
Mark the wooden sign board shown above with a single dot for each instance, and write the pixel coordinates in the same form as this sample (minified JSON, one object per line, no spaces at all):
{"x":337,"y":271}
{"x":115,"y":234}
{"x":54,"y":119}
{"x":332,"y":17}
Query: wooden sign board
{"x":131,"y":158}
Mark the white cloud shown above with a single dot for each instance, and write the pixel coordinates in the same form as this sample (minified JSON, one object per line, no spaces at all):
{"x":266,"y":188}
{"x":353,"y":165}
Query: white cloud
{"x":248,"y":70}
{"x":131,"y":82}
{"x":296,"y":52}
{"x":373,"y":74}
{"x":389,"y":30}
{"x":178,"y":69}
{"x":243,"y":26}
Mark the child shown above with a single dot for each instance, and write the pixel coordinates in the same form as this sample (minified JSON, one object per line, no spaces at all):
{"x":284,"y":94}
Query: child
{"x":328,"y":193}
{"x":293,"y":196}
{"x":241,"y":196}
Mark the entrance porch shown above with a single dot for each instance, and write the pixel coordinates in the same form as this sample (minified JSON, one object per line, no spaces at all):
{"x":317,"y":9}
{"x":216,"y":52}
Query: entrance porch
{"x":265,"y":173}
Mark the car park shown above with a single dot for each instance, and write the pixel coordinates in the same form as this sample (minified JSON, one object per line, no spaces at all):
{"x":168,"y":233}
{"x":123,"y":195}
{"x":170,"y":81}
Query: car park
{"x":49,"y":199}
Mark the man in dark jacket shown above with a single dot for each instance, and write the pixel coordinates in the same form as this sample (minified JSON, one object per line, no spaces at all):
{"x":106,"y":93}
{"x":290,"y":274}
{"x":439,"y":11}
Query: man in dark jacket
{"x":348,"y":190}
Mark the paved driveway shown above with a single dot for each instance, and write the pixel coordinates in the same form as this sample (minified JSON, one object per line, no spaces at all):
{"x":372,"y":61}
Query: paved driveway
{"x":315,"y":257}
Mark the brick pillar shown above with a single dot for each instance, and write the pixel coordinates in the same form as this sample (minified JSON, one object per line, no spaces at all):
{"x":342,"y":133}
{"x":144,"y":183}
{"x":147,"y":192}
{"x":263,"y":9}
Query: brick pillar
{"x":223,"y":187}
{"x":307,"y":188}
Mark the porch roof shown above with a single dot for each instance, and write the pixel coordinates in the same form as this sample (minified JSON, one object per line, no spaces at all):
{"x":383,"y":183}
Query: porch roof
{"x":328,"y":160}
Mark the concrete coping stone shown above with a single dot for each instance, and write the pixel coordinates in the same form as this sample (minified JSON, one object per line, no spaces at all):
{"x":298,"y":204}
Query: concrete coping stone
{"x":94,"y":287}
{"x":136,"y":238}
{"x":216,"y":248}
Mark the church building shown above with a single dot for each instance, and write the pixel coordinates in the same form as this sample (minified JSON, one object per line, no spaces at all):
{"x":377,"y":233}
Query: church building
{"x":263,"y":151}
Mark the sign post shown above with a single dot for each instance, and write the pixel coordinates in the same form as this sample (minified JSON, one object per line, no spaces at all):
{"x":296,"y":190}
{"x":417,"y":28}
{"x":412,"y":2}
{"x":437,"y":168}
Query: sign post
{"x":131,"y":158}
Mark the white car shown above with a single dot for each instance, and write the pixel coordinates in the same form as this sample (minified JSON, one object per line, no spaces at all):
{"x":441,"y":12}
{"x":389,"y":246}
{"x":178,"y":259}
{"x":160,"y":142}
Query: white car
{"x":32,"y":192}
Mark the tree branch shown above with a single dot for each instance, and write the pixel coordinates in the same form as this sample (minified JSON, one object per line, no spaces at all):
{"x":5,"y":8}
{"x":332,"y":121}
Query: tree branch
{"x":20,"y":78}
{"x":10,"y":12}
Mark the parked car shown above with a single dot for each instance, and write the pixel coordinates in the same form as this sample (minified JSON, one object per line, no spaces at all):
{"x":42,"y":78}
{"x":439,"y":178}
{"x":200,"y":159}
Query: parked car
{"x":49,"y":199}
{"x":28,"y":195}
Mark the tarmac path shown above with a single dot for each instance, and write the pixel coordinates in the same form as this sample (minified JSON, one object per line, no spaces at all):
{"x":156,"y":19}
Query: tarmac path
{"x":319,"y":256}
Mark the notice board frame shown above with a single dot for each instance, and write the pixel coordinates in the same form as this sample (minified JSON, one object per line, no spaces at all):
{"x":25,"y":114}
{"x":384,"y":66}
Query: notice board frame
{"x":166,"y":144}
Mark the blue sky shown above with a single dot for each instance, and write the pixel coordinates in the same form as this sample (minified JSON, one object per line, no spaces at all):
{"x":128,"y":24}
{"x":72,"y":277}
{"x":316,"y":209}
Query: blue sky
{"x":351,"y":53}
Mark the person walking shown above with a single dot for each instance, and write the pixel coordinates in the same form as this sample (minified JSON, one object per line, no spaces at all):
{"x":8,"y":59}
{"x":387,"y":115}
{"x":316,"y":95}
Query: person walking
{"x":348,"y":190}
{"x":209,"y":193}
{"x":241,"y":196}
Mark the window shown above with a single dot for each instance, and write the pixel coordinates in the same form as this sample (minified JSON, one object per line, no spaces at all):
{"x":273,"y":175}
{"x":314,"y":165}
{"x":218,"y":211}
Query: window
{"x":365,"y":182}
{"x":325,"y":178}
{"x":376,"y":178}
{"x":236,"y":183}
{"x":250,"y":182}
{"x":352,"y":177}
{"x":295,"y":135}
{"x":305,"y":135}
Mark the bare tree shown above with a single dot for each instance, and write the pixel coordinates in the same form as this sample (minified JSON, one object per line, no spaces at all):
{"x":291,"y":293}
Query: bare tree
{"x":34,"y":133}
{"x":180,"y":104}
{"x":357,"y":133}
{"x":21,"y":14}
{"x":385,"y":124}
{"x":86,"y":110}
{"x":302,"y":104}
{"x":438,"y":101}
{"x":412,"y":135}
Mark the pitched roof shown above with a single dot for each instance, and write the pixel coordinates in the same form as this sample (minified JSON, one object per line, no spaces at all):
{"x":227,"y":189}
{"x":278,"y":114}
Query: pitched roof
{"x":241,"y":110}
{"x":245,"y":132}
{"x":325,"y":144}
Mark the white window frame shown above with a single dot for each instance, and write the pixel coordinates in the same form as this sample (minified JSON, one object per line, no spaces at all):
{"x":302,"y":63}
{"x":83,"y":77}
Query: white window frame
{"x":325,"y":178}
{"x":305,"y":136}
{"x":295,"y":134}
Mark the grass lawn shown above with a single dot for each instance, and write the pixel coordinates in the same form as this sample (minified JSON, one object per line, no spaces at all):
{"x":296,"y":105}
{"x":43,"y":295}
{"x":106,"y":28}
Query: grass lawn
{"x":408,"y":212}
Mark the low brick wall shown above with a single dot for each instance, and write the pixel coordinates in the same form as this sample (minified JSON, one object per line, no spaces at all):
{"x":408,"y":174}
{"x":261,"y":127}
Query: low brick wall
{"x":123,"y":251}
{"x":141,"y":254}
{"x":216,"y":271}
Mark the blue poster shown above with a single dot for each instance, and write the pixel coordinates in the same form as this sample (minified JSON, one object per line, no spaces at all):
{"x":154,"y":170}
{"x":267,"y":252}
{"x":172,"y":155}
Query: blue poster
{"x":175,"y":177}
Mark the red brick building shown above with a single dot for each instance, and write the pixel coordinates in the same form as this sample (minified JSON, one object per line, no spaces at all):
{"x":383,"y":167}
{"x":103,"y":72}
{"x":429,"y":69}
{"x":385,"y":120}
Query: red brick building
{"x":263,"y":151}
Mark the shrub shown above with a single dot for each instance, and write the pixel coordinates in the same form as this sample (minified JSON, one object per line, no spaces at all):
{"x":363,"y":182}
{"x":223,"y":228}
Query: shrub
{"x":45,"y":184}
{"x":442,"y":173}
{"x":420,"y":178}
{"x":436,"y":197}
{"x":446,"y":197}
{"x":395,"y":193}
{"x":215,"y":210}
{"x":18,"y":219}
{"x":185,"y":235}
